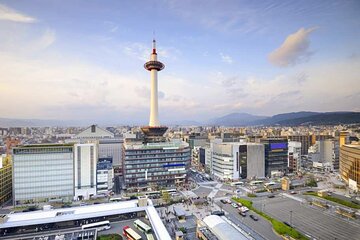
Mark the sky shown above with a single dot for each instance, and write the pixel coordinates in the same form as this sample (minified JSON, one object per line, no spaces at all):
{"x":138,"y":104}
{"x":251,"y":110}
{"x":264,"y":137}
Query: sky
{"x":83,"y":59}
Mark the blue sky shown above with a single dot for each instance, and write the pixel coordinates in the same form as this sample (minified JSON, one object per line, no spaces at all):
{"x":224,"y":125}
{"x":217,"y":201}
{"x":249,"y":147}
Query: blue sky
{"x":83,"y":60}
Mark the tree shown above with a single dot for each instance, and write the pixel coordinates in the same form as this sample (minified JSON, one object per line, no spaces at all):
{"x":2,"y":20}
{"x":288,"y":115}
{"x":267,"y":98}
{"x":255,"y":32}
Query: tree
{"x":166,"y":197}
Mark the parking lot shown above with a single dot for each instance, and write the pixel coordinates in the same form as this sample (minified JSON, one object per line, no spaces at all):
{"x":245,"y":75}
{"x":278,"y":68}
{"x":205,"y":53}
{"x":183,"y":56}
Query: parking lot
{"x":313,"y":221}
{"x":260,"y":229}
{"x":117,"y":227}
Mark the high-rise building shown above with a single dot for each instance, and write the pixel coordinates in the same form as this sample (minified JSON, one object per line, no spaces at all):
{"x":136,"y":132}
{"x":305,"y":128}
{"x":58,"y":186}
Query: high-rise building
{"x":104,"y":176}
{"x":305,"y":140}
{"x":43,"y":172}
{"x":235,"y":160}
{"x":154,"y":165}
{"x":294,"y":156}
{"x":154,"y":162}
{"x":276,"y":156}
{"x":108,"y":144}
{"x":85,"y":160}
{"x":350,"y":165}
{"x":5,"y":178}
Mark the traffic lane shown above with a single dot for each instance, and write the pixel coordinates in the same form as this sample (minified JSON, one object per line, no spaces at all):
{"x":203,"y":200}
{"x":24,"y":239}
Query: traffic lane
{"x":310,"y":220}
{"x":262,"y":226}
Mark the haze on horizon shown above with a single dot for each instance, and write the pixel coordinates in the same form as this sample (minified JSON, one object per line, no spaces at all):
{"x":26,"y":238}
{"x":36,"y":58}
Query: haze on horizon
{"x":81,"y":60}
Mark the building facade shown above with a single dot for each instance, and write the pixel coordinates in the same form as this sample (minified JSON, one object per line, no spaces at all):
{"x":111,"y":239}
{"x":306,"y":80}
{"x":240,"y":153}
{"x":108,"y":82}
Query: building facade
{"x":155,"y":165}
{"x":5,"y":179}
{"x":234,"y":160}
{"x":43,"y":172}
{"x":276,"y":156}
{"x":305,"y":140}
{"x":350,"y":165}
{"x":295,"y":150}
{"x":85,"y":160}
{"x":104,"y":176}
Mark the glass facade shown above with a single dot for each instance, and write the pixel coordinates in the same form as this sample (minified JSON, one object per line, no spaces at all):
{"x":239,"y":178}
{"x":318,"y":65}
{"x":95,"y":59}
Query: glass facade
{"x":42,"y":173}
{"x":5,"y":179}
{"x":350,"y":165}
{"x":276,"y":155}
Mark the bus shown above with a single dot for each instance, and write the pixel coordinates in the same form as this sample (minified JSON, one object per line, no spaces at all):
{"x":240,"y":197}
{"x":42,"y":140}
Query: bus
{"x":170,"y":191}
{"x":254,"y":183}
{"x":149,"y":236}
{"x":100,"y":226}
{"x":142,"y":226}
{"x":236,"y":184}
{"x":130,"y":234}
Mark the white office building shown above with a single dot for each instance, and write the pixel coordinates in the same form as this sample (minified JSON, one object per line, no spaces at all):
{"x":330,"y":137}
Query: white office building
{"x":85,"y":170}
{"x":237,"y":160}
{"x":294,"y":149}
{"x":43,"y":172}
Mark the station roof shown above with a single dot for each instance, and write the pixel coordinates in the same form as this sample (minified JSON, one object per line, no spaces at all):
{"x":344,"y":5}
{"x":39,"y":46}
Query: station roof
{"x":90,"y":211}
{"x":222,"y":229}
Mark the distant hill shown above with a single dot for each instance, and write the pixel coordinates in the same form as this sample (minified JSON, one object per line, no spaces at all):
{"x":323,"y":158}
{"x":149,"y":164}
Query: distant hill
{"x":10,"y":122}
{"x":236,"y":119}
{"x":293,"y":118}
{"x":276,"y":119}
{"x":329,"y":118}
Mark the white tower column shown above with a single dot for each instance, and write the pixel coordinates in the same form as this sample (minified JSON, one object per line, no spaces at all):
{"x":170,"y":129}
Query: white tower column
{"x":154,"y":109}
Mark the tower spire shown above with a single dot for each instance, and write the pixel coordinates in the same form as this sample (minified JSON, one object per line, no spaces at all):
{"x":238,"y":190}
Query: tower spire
{"x":154,"y":46}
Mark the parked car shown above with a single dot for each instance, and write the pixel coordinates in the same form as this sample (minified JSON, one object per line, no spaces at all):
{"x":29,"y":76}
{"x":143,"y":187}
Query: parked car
{"x":219,"y":213}
{"x":286,"y":223}
{"x":271,"y":196}
{"x":234,"y":205}
{"x":228,"y":201}
{"x":242,"y":214}
{"x":292,"y":192}
{"x":223,"y":201}
{"x":253,"y":217}
{"x":244,"y":209}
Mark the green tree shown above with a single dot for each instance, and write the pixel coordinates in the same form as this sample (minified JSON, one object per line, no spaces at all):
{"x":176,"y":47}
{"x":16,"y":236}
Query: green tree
{"x":166,"y":197}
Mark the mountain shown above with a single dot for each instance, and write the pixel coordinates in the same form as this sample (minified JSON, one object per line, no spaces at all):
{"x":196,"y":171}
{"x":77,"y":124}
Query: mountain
{"x":10,"y":122}
{"x":283,"y":117}
{"x":328,"y":118}
{"x":288,"y":119}
{"x":236,"y":119}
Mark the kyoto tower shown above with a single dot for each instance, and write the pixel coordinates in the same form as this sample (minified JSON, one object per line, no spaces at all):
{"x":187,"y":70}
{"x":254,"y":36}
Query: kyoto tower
{"x":154,"y":132}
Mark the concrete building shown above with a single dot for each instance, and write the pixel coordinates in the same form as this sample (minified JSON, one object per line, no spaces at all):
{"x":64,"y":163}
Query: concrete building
{"x":5,"y":178}
{"x":43,"y":172}
{"x":233,"y":161}
{"x":350,"y":165}
{"x":154,"y":165}
{"x":104,"y":176}
{"x":305,"y":140}
{"x":85,"y":160}
{"x":276,"y":156}
{"x":108,"y":145}
{"x":294,"y":156}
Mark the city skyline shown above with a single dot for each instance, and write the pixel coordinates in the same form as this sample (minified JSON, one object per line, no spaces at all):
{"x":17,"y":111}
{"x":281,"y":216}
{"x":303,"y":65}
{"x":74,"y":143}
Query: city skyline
{"x":78,"y":61}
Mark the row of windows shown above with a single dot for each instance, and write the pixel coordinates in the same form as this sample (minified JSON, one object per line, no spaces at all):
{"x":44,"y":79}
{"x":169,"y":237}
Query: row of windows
{"x":163,"y":160}
{"x":43,"y":150}
{"x":163,"y":156}
{"x":154,"y":174}
{"x":151,"y":165}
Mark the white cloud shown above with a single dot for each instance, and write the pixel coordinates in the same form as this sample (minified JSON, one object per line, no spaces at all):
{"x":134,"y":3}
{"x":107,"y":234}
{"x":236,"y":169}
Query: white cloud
{"x":226,"y":58}
{"x":8,"y":14}
{"x":46,"y":39}
{"x":294,"y":49}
